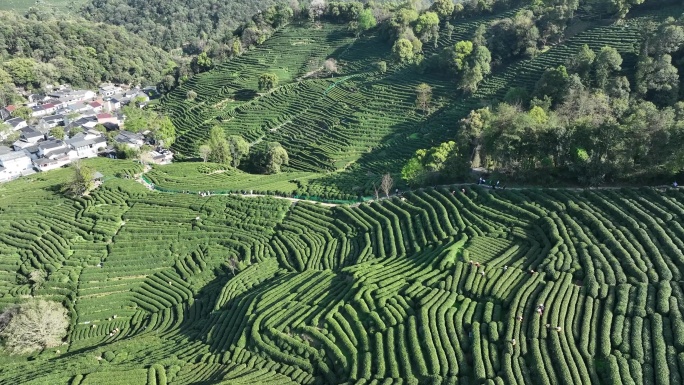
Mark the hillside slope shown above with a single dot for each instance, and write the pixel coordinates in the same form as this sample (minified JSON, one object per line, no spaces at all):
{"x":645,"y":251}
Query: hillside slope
{"x":437,"y":287}
{"x":353,"y":127}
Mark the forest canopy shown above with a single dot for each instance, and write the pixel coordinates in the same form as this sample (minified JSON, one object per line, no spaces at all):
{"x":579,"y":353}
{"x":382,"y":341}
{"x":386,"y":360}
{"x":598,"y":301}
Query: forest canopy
{"x":37,"y":49}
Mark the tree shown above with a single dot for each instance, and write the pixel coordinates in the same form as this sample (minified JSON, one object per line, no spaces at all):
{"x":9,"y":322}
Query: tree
{"x":365,"y":21}
{"x":403,"y":50}
{"x":386,"y":184}
{"x":137,"y":119}
{"x":382,"y":66}
{"x":267,"y":81}
{"x":35,"y":325}
{"x":272,"y":157}
{"x":57,"y":132}
{"x":413,"y":172}
{"x":460,"y":53}
{"x":82,"y":180}
{"x":622,"y":6}
{"x":232,"y":265}
{"x":667,"y":40}
{"x":23,"y":71}
{"x":191,"y":95}
{"x":433,"y":164}
{"x":427,"y":26}
{"x":204,"y":151}
{"x":165,"y":132}
{"x":553,"y":84}
{"x":479,"y":65}
{"x":582,"y":62}
{"x":23,"y":112}
{"x":658,"y":79}
{"x":75,"y":130}
{"x":201,"y":63}
{"x":220,"y":149}
{"x":316,"y":9}
{"x":239,"y":149}
{"x":607,"y":62}
{"x":330,"y":65}
{"x":444,"y":8}
{"x":37,"y":278}
{"x":423,"y":97}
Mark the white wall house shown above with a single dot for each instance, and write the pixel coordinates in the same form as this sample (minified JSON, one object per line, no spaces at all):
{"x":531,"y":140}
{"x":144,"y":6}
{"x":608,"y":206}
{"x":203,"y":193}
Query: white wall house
{"x":46,"y":164}
{"x":13,"y":163}
{"x":86,"y":145}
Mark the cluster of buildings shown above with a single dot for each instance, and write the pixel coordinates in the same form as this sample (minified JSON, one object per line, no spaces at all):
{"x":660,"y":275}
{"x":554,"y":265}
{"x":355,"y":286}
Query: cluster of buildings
{"x":82,"y":114}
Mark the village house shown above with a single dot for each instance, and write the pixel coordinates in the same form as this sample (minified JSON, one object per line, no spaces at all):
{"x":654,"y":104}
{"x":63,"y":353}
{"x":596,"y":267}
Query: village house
{"x":161,"y":156}
{"x":79,"y":108}
{"x":13,"y":164}
{"x":68,"y":96}
{"x":130,"y":139}
{"x":87,"y":145}
{"x":38,"y":98}
{"x":16,"y":123}
{"x":53,"y":148}
{"x":47,"y":164}
{"x":48,"y":122}
{"x":29,"y":136}
{"x":43,"y":109}
{"x":112,"y":104}
{"x":108,"y":89}
{"x":6,"y":112}
{"x":106,"y":118}
{"x":97,"y":106}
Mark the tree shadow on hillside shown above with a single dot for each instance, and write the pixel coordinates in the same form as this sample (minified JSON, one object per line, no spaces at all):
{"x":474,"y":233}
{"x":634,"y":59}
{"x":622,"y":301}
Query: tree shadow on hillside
{"x":244,"y":95}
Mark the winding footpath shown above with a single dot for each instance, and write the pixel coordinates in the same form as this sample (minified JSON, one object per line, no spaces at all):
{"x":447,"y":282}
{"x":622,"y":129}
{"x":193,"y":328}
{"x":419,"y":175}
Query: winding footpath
{"x":151,"y":186}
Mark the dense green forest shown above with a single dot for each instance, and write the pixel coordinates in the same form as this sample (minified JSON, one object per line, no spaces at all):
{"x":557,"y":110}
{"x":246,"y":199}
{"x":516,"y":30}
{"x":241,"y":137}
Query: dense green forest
{"x":40,"y":48}
{"x":176,"y":23}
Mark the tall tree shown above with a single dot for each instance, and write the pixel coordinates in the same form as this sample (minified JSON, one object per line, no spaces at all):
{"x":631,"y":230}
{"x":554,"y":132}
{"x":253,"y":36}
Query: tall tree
{"x":424,"y":97}
{"x":204,"y":151}
{"x":239,"y":149}
{"x":582,"y":62}
{"x":608,"y":62}
{"x":479,"y":65}
{"x":386,"y":184}
{"x":444,"y":8}
{"x":403,"y":50}
{"x":268,"y":81}
{"x":427,"y":26}
{"x":220,"y":149}
{"x":276,"y":157}
{"x":365,"y":21}
{"x":164,"y":132}
{"x":82,"y":180}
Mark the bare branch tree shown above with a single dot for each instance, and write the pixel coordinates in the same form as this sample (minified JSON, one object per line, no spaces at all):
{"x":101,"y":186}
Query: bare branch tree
{"x":204,"y":151}
{"x":386,"y":184}
{"x":424,"y":97}
{"x":377,"y":192}
{"x":331,"y":66}
{"x":37,"y":278}
{"x":316,"y":9}
{"x":232,"y":265}
{"x":36,"y":325}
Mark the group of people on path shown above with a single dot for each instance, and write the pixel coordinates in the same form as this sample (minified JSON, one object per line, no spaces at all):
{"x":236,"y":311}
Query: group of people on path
{"x":492,"y":184}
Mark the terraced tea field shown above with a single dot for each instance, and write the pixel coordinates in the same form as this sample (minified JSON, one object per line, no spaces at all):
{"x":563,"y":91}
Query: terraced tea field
{"x":437,"y":287}
{"x":353,"y":127}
